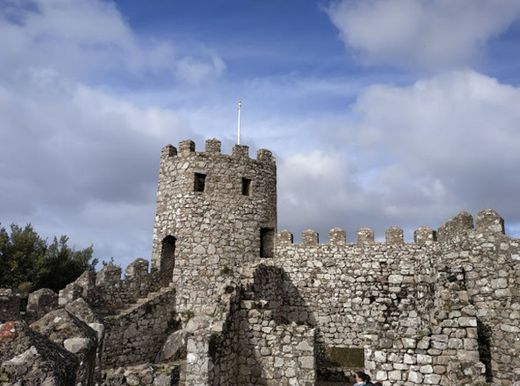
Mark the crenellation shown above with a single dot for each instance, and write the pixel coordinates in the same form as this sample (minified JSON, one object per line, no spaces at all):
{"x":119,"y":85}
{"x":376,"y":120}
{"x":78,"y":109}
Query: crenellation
{"x":264,"y":155}
{"x":109,"y":276}
{"x":337,"y":236}
{"x":365,"y":236}
{"x":284,"y":237}
{"x":394,"y":235}
{"x":240,"y":151}
{"x":424,"y":235}
{"x":186,"y":148}
{"x":490,"y":221}
{"x":168,"y":151}
{"x":310,"y":237}
{"x":137,"y":270}
{"x":213,"y":146}
{"x":456,"y":227}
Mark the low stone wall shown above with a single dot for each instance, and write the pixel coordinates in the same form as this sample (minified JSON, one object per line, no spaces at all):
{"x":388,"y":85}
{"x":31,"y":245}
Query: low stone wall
{"x":107,"y":292}
{"x":136,"y":335}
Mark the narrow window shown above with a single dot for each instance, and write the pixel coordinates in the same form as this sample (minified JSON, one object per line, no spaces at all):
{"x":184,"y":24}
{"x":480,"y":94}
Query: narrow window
{"x":246,"y":187}
{"x":200,"y":182}
{"x":266,"y":242}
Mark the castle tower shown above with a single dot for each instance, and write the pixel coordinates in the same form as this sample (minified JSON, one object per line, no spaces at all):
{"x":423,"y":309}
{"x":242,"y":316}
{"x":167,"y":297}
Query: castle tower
{"x":215,"y":213}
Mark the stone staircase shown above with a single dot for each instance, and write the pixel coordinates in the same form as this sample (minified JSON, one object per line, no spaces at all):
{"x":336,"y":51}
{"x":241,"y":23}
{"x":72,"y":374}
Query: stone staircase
{"x":150,"y":297}
{"x":135,"y":334}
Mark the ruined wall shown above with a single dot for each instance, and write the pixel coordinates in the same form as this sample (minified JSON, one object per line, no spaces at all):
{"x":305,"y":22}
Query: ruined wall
{"x":136,"y":334}
{"x":251,"y":348}
{"x":108,"y":292}
{"x":489,"y":262}
{"x":206,"y":234}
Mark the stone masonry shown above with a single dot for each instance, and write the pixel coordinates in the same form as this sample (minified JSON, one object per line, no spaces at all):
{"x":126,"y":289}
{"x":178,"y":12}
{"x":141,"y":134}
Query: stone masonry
{"x":229,"y":301}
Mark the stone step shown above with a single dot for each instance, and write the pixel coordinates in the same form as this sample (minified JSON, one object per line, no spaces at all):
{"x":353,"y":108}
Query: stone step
{"x":152,"y":295}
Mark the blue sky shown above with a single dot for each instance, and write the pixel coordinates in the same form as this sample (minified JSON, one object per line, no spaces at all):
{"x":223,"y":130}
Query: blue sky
{"x":380,"y":112}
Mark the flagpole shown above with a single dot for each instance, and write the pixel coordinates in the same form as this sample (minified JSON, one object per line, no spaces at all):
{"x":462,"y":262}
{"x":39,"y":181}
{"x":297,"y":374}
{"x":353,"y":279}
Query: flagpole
{"x":238,"y":123}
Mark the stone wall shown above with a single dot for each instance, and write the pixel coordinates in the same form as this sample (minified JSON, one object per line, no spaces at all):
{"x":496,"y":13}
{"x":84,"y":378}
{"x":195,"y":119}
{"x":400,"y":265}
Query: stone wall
{"x":204,"y":235}
{"x":354,"y":289}
{"x":137,"y":334}
{"x":258,"y":344}
{"x":107,"y":291}
{"x":388,"y":298}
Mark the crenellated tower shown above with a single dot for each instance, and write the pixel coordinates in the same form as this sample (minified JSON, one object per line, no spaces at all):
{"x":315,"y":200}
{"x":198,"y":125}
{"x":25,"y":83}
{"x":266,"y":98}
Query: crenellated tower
{"x":215,"y":212}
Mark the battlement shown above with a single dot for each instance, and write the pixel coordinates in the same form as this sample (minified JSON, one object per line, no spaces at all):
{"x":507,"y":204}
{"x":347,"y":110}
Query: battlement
{"x":213,"y":147}
{"x":488,"y":221}
{"x":364,"y":236}
{"x":107,"y":289}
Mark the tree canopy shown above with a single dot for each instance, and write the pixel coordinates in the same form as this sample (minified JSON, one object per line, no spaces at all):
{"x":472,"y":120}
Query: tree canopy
{"x":28,"y":262}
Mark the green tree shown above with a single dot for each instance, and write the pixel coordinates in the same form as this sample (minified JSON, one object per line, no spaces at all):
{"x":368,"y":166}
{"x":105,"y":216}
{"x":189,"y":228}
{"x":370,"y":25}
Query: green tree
{"x":28,"y":262}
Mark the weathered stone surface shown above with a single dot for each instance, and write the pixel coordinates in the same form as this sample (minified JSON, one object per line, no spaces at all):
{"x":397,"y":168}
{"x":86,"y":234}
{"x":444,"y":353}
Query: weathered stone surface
{"x":41,"y":302}
{"x":63,"y":328}
{"x":28,"y":357}
{"x":174,"y":347}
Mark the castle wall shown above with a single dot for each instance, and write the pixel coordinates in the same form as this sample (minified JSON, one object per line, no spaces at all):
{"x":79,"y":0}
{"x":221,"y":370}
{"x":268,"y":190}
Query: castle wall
{"x":253,"y":348}
{"x":353,"y":289}
{"x":214,"y":231}
{"x":430,"y":312}
{"x":137,"y":334}
{"x":489,"y":261}
{"x":107,"y":291}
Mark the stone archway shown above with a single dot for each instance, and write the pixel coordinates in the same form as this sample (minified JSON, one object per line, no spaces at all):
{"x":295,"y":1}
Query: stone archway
{"x":167,"y":258}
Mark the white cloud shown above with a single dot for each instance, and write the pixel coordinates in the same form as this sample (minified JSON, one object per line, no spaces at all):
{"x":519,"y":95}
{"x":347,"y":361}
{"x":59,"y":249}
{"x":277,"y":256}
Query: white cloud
{"x":70,"y":153}
{"x":79,"y":159}
{"x":195,"y":70}
{"x":85,"y":37}
{"x":410,"y":156}
{"x":423,"y":34}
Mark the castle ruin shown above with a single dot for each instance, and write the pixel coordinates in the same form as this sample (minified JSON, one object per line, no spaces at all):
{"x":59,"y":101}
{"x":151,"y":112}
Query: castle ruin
{"x":228,"y":300}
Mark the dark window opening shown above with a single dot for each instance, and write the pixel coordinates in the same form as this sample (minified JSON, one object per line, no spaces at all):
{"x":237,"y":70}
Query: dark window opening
{"x":167,"y":258}
{"x":484,"y":348}
{"x":266,"y":242}
{"x":200,"y":182}
{"x":246,"y":187}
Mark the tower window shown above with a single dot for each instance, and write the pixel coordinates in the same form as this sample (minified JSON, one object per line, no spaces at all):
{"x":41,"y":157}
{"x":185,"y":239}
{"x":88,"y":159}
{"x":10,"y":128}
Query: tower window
{"x":200,"y":182}
{"x":246,"y":187}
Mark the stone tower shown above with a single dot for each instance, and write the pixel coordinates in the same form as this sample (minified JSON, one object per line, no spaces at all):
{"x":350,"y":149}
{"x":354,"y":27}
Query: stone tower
{"x":215,"y":212}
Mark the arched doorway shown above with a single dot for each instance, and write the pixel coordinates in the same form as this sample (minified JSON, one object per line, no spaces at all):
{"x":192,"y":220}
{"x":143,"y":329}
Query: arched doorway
{"x":167,"y":258}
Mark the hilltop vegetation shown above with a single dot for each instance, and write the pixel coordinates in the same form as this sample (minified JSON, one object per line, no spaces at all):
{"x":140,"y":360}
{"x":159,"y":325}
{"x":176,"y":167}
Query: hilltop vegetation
{"x":29,"y":262}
